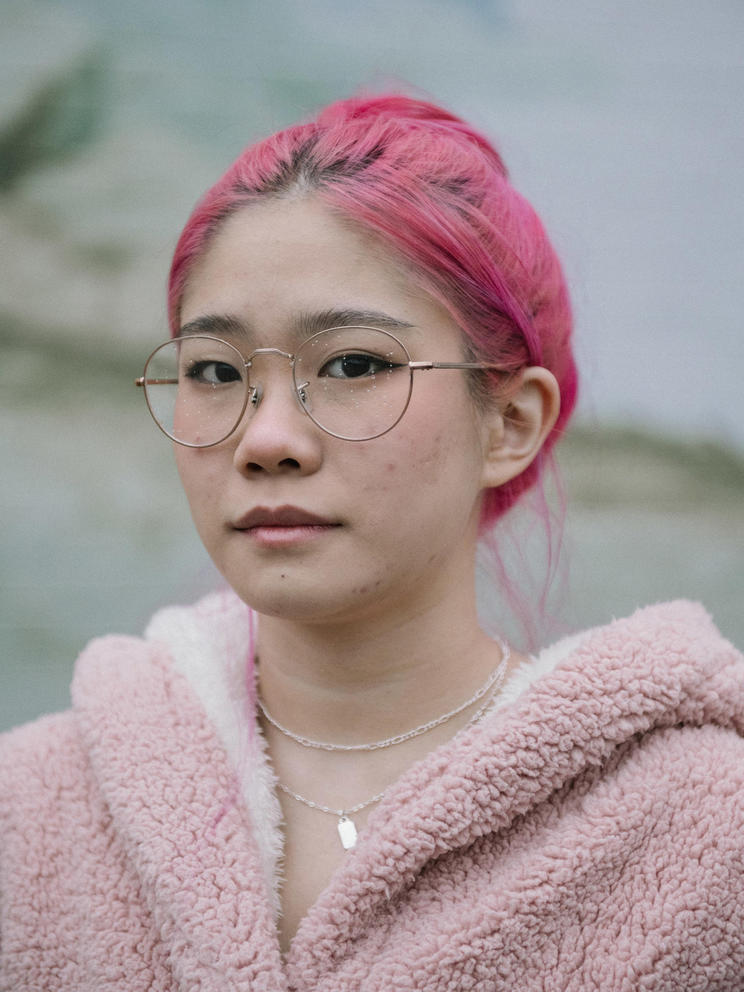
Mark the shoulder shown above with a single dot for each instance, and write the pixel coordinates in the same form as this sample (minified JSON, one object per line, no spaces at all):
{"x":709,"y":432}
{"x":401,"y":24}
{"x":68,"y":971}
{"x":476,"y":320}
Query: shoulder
{"x":659,"y":656}
{"x":41,"y":761}
{"x":673,"y":631}
{"x":191,"y":659}
{"x":684,"y":778}
{"x":656,"y":701}
{"x":668,"y":661}
{"x":27,"y":750}
{"x":645,"y":711}
{"x":46,"y":762}
{"x":44,"y":790}
{"x":189,"y":643}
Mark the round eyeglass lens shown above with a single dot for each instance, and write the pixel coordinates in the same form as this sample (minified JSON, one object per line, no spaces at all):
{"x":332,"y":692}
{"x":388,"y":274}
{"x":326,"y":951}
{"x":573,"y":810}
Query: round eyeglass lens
{"x":196,"y":388}
{"x":354,"y":382}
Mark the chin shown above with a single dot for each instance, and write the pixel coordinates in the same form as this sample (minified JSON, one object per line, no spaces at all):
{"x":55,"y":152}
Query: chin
{"x":316,"y":603}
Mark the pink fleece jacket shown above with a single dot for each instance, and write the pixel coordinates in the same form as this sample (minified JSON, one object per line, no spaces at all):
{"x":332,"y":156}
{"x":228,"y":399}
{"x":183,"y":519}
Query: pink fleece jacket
{"x":586,"y":835}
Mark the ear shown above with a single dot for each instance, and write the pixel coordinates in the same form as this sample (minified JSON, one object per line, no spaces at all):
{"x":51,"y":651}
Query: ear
{"x":517,"y":425}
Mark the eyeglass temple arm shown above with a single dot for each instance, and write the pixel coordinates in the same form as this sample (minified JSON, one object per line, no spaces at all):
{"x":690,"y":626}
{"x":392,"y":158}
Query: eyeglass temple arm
{"x":141,"y":381}
{"x":452,"y":365}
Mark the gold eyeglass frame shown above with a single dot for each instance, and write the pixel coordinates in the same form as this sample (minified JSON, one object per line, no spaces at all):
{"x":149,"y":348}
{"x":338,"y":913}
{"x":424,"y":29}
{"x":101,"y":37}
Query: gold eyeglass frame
{"x":253,"y":394}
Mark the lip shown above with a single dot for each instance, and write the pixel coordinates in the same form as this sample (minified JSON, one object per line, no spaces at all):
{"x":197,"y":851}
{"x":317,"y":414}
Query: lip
{"x":283,"y":527}
{"x":281,"y":517}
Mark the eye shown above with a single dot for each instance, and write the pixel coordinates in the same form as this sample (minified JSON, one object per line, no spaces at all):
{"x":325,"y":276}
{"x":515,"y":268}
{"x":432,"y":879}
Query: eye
{"x":212,"y":373}
{"x":355,"y":365}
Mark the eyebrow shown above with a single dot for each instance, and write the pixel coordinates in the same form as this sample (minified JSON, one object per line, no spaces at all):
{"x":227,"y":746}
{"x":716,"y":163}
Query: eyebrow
{"x":215,"y":324}
{"x":303,"y":326}
{"x":311,"y":323}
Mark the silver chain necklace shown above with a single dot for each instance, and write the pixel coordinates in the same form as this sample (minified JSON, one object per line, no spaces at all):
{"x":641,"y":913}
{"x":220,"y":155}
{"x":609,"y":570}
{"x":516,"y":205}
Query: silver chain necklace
{"x":495,"y":676}
{"x":346,"y":827}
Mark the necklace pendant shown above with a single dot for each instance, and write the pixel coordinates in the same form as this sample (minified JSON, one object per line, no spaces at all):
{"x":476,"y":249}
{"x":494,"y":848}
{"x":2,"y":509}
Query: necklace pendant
{"x":347,"y":831}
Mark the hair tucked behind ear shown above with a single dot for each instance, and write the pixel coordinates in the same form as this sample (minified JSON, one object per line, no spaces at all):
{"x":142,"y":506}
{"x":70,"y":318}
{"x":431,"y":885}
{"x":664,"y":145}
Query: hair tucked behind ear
{"x":437,"y":193}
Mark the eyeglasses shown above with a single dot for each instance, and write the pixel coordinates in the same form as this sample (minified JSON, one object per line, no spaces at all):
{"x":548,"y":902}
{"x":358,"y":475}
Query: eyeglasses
{"x":353,"y":382}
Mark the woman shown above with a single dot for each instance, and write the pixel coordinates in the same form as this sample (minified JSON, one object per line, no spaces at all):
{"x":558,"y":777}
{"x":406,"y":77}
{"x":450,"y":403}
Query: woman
{"x":350,"y":785}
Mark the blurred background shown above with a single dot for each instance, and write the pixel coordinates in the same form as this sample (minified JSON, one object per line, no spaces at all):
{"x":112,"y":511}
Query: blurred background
{"x":623,"y":123}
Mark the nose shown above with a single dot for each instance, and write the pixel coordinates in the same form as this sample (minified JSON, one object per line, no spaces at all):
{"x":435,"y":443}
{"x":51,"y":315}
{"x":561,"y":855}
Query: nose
{"x":275,"y":436}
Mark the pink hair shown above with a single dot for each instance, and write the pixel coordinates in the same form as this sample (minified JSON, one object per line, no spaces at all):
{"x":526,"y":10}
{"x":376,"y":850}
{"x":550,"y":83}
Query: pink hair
{"x":436,"y":191}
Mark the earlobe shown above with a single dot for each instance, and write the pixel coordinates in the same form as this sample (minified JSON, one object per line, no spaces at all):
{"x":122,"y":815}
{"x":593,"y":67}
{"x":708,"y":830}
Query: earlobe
{"x":517,"y":426}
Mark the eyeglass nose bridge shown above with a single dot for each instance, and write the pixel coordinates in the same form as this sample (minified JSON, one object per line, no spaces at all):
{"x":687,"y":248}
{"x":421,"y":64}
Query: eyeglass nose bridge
{"x":256,"y":392}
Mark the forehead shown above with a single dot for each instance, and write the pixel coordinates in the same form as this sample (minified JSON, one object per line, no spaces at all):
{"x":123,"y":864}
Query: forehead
{"x":274,"y":248}
{"x":287,"y":266}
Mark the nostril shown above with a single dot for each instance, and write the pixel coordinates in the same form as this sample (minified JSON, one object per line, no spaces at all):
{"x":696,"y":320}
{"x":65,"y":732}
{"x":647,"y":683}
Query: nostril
{"x":286,"y":463}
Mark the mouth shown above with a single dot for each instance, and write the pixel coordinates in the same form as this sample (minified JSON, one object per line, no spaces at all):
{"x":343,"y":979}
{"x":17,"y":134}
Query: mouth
{"x":281,"y":516}
{"x":283,"y":525}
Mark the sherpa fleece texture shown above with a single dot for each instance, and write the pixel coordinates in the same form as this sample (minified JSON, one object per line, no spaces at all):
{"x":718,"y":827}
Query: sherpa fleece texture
{"x":585,"y":836}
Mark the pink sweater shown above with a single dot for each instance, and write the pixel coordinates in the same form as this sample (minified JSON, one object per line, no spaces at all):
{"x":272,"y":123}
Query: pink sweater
{"x":586,"y":835}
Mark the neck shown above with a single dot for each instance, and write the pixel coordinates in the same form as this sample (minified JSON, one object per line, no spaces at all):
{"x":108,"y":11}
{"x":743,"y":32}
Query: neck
{"x":361,"y":681}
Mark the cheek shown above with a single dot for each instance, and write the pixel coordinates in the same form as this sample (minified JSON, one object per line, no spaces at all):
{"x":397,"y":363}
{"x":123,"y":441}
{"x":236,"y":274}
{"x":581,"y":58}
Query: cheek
{"x":421,"y":474}
{"x":200,"y":485}
{"x":440,"y":472}
{"x":411,"y":463}
{"x":440,"y":454}
{"x":444,"y":439}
